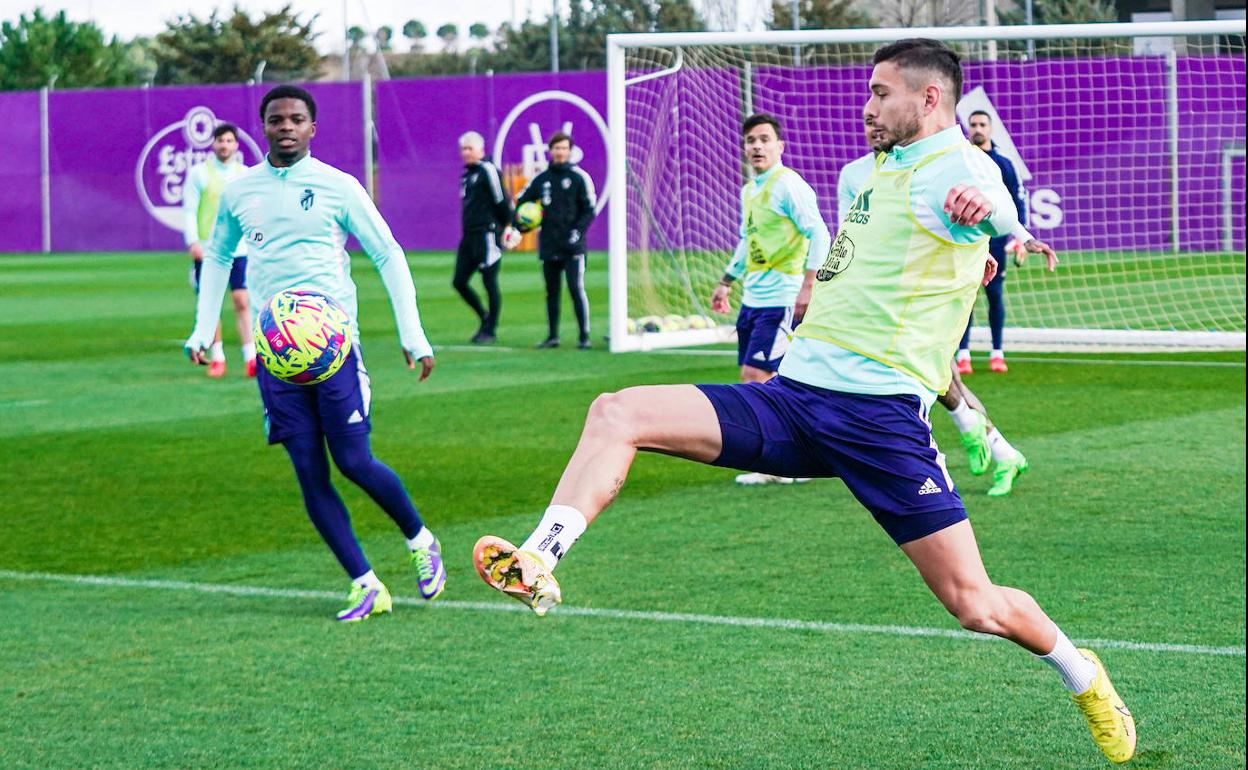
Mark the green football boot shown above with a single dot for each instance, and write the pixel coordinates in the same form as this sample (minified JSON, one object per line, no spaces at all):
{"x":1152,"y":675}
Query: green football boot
{"x":975,"y":442}
{"x":1007,"y":471}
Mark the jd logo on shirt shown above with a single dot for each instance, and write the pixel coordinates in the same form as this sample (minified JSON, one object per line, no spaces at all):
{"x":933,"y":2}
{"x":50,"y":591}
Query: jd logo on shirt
{"x":307,"y":198}
{"x":839,"y":257}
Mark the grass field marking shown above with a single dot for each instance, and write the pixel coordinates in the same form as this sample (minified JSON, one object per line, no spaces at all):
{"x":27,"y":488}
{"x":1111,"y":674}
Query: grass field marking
{"x":1025,"y":359}
{"x":597,"y":612}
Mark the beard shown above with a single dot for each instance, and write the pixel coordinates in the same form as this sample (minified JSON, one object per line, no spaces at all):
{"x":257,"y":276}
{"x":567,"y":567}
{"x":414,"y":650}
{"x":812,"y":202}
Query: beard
{"x":903,"y":130}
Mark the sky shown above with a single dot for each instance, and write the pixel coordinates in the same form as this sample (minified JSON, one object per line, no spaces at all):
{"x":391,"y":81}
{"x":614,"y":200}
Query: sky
{"x":128,"y":18}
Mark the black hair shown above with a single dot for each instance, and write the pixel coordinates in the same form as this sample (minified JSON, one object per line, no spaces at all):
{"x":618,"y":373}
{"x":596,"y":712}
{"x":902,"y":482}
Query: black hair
{"x":225,"y":128}
{"x":979,"y":112}
{"x":288,"y":92}
{"x":926,"y":54}
{"x":558,"y":137}
{"x":761,"y":119}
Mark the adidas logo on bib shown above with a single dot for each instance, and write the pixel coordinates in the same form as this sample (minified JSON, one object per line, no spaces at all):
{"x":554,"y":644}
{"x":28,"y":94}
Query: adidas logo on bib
{"x":929,"y":488}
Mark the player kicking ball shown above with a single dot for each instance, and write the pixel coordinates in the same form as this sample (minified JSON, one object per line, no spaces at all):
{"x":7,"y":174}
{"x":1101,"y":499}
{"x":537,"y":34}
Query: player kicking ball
{"x":853,"y":393}
{"x":294,"y":212}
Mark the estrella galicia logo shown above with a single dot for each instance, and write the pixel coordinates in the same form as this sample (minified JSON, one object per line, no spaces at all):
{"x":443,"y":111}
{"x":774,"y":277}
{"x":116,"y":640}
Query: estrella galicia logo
{"x":860,"y":212}
{"x":307,"y":198}
{"x":839,"y":257}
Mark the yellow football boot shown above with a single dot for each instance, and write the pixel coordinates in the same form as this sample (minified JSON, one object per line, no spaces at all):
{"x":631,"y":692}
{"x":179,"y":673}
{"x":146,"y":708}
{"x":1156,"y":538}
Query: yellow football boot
{"x":1111,"y":723}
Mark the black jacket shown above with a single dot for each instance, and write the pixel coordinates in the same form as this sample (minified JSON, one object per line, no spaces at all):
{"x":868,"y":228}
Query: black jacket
{"x":567,"y":196}
{"x":486,"y":206}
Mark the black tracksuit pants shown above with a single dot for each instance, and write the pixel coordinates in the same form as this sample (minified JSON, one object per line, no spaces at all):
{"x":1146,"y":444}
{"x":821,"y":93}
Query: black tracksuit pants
{"x":476,"y":250}
{"x":573,"y":269}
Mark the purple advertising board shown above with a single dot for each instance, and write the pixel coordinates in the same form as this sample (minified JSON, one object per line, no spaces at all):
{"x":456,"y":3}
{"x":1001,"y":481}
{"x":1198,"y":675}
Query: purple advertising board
{"x":118,"y":157}
{"x":21,"y":227}
{"x":419,"y":123}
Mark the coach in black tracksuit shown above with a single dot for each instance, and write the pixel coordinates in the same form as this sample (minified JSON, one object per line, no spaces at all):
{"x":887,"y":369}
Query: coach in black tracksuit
{"x":567,"y":196}
{"x":486,"y":211}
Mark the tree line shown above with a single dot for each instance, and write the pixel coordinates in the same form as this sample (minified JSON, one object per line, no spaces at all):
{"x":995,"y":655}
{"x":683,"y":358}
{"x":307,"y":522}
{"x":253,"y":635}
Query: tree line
{"x":39,"y":49}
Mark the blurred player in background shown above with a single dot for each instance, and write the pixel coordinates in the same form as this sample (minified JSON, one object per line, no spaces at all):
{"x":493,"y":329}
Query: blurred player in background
{"x":486,"y":212}
{"x":783,"y":240}
{"x":981,"y":439}
{"x":852,"y":395}
{"x":567,"y":196}
{"x":980,"y":124}
{"x":294,"y":211}
{"x":200,"y":196}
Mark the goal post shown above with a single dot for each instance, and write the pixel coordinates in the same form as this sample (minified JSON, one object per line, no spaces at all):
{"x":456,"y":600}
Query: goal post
{"x":1128,"y":140}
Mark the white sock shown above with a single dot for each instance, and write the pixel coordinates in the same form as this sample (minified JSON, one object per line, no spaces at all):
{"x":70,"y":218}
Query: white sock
{"x":249,"y":351}
{"x":964,"y":354}
{"x":368,"y":580}
{"x":561,"y":526}
{"x":1000,"y":448}
{"x":998,"y":353}
{"x":966,"y":418}
{"x":218,"y":352}
{"x":1077,"y":672}
{"x":423,"y":539}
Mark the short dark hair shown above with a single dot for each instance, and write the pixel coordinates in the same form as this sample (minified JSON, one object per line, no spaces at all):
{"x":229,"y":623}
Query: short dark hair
{"x":225,"y":128}
{"x":558,"y":137}
{"x":979,"y":112}
{"x":761,"y":119}
{"x":925,"y":54}
{"x":288,"y":92}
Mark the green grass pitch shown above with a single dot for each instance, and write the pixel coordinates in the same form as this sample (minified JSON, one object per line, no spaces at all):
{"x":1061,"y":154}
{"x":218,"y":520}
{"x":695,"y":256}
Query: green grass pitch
{"x":705,"y":626}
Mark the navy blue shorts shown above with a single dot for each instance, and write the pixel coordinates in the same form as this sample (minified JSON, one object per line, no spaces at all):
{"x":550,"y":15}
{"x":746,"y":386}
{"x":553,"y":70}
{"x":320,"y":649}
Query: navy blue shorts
{"x":763,"y":336}
{"x":336,"y":407}
{"x":238,"y":274}
{"x":880,"y":446}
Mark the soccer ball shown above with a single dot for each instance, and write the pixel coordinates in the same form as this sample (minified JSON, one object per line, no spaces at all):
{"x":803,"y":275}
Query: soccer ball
{"x":302,"y":336}
{"x":529,"y":215}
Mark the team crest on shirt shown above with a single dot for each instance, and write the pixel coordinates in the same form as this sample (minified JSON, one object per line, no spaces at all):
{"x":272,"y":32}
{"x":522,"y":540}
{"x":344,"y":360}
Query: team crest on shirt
{"x":307,"y":198}
{"x":839,"y":257}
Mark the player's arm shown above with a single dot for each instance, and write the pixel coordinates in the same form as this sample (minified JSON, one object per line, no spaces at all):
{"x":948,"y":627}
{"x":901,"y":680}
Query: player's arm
{"x":227,"y":231}
{"x":361,"y":218}
{"x":586,"y":199}
{"x":502,"y":206}
{"x":191,"y":192}
{"x":802,"y":206}
{"x":733,"y":270}
{"x":977,"y":199}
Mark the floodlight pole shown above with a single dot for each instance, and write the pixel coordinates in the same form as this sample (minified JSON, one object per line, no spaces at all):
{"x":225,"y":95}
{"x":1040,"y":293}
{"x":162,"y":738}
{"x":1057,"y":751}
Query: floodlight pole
{"x":554,"y":36}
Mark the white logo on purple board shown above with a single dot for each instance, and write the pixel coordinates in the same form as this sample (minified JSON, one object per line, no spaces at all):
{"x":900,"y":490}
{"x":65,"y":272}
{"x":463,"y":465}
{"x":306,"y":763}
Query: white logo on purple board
{"x":533,"y":157}
{"x":171,"y":153}
{"x":1044,"y":205}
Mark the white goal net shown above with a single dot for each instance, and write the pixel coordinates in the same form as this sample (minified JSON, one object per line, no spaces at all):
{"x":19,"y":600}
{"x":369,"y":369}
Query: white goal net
{"x":1128,"y":140}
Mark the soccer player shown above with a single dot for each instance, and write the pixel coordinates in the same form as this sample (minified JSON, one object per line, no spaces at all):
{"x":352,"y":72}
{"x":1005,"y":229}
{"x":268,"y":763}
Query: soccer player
{"x":783,"y":240}
{"x":200,"y":195}
{"x":294,"y":213}
{"x":853,"y":391}
{"x":980,"y":123}
{"x":981,"y":439}
{"x":567,"y":196}
{"x":486,"y":211}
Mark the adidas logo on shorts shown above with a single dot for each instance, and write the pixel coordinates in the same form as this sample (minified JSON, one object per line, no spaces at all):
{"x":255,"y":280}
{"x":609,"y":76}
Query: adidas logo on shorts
{"x":929,"y":488}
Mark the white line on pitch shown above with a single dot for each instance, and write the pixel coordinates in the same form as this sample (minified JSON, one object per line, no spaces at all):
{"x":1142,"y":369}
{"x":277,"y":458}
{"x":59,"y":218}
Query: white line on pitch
{"x":1026,"y":359}
{"x":595,"y":612}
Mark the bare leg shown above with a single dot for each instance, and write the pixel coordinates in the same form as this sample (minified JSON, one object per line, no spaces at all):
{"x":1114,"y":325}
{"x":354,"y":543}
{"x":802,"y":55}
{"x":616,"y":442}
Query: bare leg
{"x":950,"y":564}
{"x":217,"y":337}
{"x":242,"y":315}
{"x":754,"y":374}
{"x":959,"y":392}
{"x":673,"y":419}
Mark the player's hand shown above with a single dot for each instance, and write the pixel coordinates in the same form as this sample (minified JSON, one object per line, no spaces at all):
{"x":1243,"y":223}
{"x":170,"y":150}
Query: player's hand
{"x":574,"y":237}
{"x":1037,"y":246}
{"x":196,"y":251}
{"x":426,"y":364}
{"x":719,"y":299}
{"x":196,"y":351}
{"x":990,"y":269}
{"x":967,"y":206}
{"x":800,"y":305}
{"x":511,"y":238}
